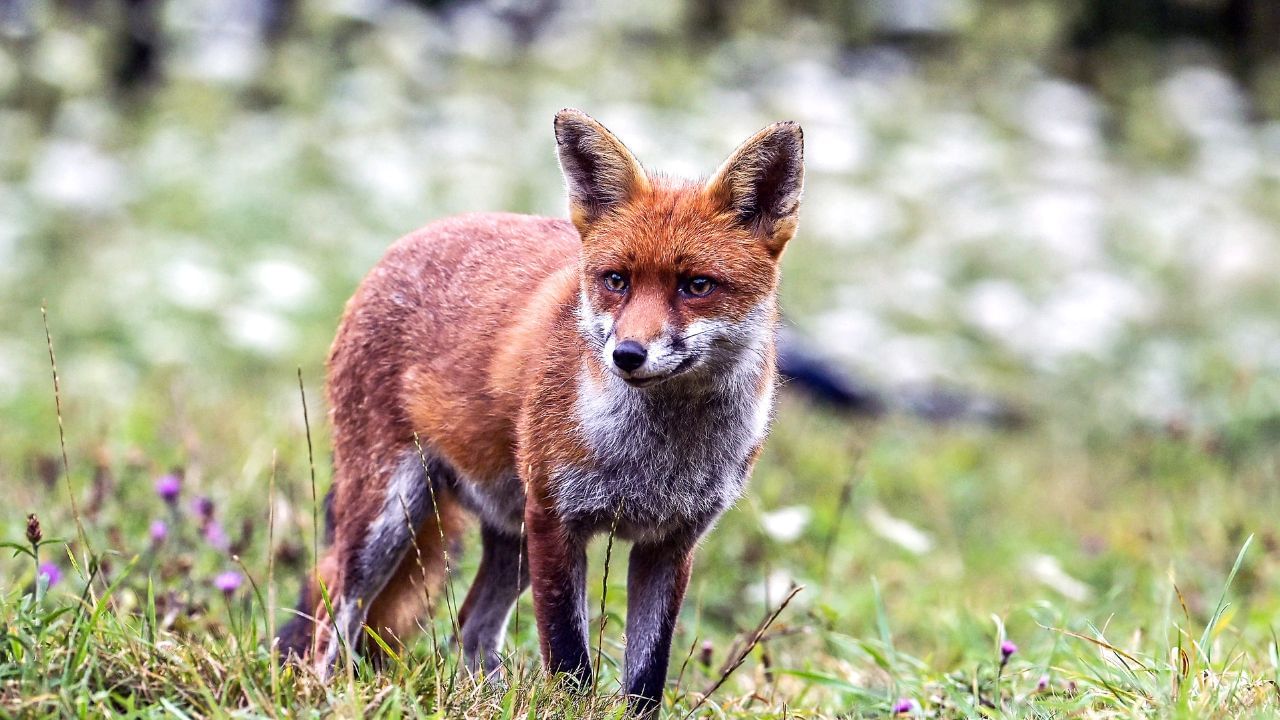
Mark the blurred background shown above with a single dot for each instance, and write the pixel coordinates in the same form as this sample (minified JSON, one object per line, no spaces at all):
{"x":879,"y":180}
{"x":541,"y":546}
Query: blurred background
{"x":1075,"y":203}
{"x":1070,"y":205}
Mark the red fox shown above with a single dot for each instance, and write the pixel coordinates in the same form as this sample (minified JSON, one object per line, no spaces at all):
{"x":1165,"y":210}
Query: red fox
{"x":555,"y":379}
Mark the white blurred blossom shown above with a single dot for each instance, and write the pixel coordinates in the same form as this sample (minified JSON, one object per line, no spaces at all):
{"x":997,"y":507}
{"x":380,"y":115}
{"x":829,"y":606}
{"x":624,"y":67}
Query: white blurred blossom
{"x":773,"y":588}
{"x":192,"y":285}
{"x":258,"y":330}
{"x":1048,"y":570}
{"x":898,"y":531}
{"x":840,"y":147}
{"x":223,"y":39}
{"x":999,"y":307}
{"x":281,"y":284}
{"x":850,"y":216}
{"x":1204,"y":100}
{"x":66,"y":60}
{"x":786,"y":524}
{"x":1066,"y":223}
{"x":852,"y":333}
{"x":78,"y":176}
{"x":1062,"y":115}
{"x":378,"y":167}
{"x":1087,"y":314}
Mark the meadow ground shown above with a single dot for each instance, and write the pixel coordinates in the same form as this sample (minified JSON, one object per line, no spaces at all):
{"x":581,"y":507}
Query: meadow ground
{"x":944,"y":572}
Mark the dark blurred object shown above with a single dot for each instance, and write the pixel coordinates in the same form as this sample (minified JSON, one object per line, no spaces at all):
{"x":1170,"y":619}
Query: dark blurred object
{"x":1245,"y":31}
{"x":141,"y":46}
{"x":945,"y":405}
{"x":827,"y":384}
{"x":823,"y":382}
{"x":139,"y":61}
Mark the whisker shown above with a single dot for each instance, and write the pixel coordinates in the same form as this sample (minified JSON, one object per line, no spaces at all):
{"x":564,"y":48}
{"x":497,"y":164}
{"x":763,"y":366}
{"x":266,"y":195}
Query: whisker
{"x":696,"y":334}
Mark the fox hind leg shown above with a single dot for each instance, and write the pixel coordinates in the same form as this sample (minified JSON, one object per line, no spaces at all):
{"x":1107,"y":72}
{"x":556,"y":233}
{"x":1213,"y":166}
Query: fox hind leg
{"x":372,"y":554}
{"x":413,"y":588}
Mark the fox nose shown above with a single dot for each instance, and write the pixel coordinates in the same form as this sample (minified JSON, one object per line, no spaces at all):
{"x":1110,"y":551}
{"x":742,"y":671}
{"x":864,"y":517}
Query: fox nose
{"x":629,"y":355}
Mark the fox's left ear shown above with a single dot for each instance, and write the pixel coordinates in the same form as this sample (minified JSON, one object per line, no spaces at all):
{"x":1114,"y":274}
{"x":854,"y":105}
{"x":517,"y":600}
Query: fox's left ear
{"x":762,"y":181}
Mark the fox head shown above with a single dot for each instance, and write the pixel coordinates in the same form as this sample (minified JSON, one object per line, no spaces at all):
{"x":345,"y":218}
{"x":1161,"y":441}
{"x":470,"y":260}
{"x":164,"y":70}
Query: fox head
{"x":679,"y":277}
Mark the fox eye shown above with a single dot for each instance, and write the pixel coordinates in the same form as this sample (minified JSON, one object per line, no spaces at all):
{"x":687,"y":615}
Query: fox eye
{"x":614,"y":282}
{"x":699,"y":286}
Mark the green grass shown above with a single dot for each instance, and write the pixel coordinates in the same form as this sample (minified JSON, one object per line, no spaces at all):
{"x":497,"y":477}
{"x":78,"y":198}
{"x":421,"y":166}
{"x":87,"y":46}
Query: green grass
{"x":1173,"y":543}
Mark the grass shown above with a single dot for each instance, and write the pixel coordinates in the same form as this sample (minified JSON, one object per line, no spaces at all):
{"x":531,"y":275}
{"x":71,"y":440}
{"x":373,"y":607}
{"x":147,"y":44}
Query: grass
{"x":924,"y":549}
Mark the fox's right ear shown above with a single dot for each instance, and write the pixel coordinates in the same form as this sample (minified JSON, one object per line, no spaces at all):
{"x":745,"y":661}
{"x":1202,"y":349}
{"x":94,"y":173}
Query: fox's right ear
{"x":600,"y":171}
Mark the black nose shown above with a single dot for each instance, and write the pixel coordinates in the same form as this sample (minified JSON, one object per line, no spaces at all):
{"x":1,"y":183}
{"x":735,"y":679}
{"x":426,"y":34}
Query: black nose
{"x":629,"y":355}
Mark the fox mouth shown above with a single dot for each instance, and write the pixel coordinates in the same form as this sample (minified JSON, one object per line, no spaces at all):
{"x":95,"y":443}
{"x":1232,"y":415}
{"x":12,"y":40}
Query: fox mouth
{"x":650,"y":380}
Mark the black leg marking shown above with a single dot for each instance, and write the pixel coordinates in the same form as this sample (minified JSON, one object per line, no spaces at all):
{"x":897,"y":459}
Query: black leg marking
{"x":567,"y":627}
{"x":558,"y":564}
{"x":656,"y":580}
{"x":502,"y":577}
{"x":294,"y":639}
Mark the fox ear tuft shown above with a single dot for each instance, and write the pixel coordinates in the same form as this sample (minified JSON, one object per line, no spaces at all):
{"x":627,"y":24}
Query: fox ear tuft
{"x":762,"y":182}
{"x":599,"y":170}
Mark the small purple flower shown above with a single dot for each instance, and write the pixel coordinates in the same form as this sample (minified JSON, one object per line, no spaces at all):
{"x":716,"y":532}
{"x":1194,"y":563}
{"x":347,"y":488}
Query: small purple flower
{"x":203,"y":506}
{"x":51,"y":573}
{"x":215,"y":535}
{"x":159,"y":531}
{"x":168,"y":487}
{"x":1007,"y":649}
{"x":228,"y":582}
{"x":904,"y":705}
{"x":1043,"y":684}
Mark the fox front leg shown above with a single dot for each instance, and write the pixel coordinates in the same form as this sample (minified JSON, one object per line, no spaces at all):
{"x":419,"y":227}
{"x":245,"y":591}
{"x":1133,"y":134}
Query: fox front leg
{"x":657,"y":577}
{"x":558,"y":566}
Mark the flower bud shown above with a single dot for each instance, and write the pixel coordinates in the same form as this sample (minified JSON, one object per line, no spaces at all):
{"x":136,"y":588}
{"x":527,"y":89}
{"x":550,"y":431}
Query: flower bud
{"x":34,"y":534}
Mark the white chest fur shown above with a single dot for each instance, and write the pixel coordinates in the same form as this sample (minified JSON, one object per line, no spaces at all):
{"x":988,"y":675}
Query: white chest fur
{"x":667,"y":458}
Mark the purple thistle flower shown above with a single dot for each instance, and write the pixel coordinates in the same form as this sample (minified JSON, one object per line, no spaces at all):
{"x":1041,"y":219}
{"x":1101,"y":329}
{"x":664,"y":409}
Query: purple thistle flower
{"x":1007,"y":649}
{"x":159,"y":531}
{"x":50,"y":572}
{"x":904,"y":705}
{"x":203,"y":506}
{"x":215,"y":535}
{"x":1043,"y":684}
{"x":168,"y":487}
{"x":228,"y":582}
